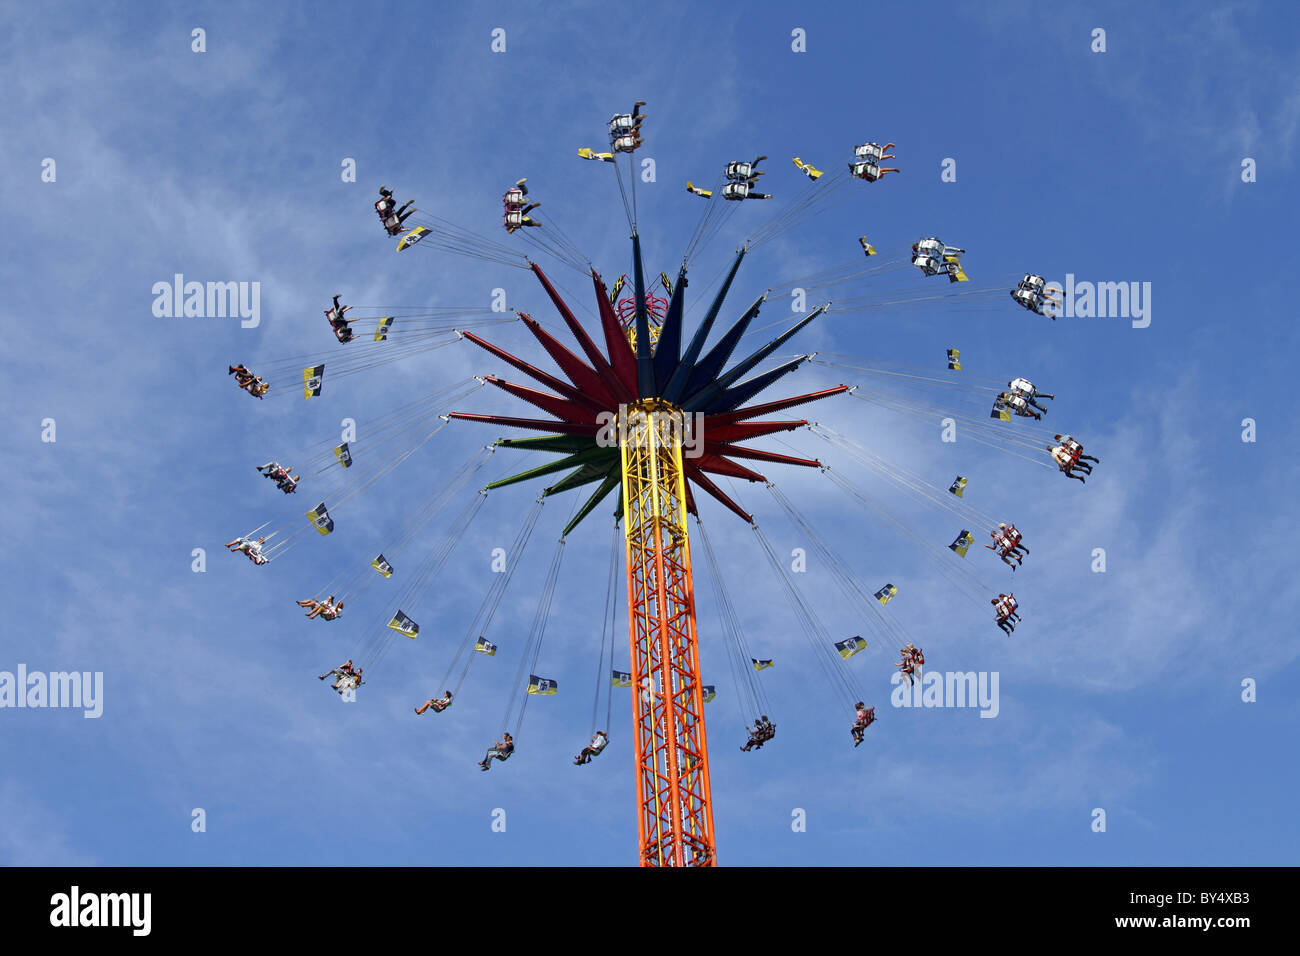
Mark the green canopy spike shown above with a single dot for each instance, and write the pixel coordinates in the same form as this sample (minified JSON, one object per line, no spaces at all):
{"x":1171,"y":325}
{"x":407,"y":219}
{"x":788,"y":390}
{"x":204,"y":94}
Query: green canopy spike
{"x":614,"y":479}
{"x":568,"y":444}
{"x":583,"y":476}
{"x":586,"y":457}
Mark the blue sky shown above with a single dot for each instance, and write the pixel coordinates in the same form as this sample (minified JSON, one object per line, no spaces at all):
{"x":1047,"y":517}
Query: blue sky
{"x":1121,"y":690}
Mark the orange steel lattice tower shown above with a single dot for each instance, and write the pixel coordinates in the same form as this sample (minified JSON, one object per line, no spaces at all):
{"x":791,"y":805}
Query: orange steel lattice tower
{"x":674,"y":806}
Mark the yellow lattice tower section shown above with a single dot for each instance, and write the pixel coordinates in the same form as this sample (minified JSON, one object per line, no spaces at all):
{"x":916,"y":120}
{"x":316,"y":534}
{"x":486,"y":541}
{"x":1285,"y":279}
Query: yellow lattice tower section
{"x":675,"y":814}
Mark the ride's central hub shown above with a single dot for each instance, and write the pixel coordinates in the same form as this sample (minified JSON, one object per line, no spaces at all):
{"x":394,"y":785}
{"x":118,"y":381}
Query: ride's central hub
{"x":653,"y":435}
{"x":670,"y":424}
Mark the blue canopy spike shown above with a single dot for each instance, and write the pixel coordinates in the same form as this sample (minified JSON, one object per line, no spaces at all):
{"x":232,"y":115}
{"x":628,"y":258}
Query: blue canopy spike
{"x":682,"y":374}
{"x":669,"y":348}
{"x":710,"y":367}
{"x":645,"y":369}
{"x":733,"y":398}
{"x":706,"y":395}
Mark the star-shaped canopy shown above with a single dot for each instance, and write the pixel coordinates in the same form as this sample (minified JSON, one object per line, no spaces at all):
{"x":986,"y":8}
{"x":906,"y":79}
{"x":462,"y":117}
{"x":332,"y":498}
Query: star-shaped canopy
{"x":694,"y":380}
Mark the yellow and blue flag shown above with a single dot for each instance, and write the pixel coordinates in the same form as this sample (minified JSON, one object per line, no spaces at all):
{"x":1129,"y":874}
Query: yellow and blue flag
{"x":541,"y":685}
{"x":963,"y":543}
{"x":320,"y":518}
{"x":404,"y":625}
{"x":311,"y":380}
{"x":412,"y":237}
{"x":850,"y":647}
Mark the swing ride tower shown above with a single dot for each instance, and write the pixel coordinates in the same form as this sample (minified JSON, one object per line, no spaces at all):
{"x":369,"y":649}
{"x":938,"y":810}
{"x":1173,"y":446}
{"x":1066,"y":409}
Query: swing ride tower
{"x":674,"y":804}
{"x":655,"y":416}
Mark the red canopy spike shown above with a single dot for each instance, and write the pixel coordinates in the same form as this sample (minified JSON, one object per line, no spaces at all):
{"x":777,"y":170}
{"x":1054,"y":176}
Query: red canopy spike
{"x":559,"y":407}
{"x":533,"y":424}
{"x":620,"y":353}
{"x":697,"y":476}
{"x":724,"y":466}
{"x":748,"y":430}
{"x":550,"y":381}
{"x":580,"y":374}
{"x":727,"y":450}
{"x":753,"y":411}
{"x":593,"y":352}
